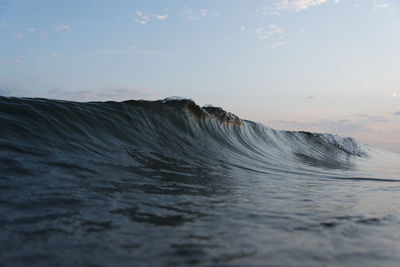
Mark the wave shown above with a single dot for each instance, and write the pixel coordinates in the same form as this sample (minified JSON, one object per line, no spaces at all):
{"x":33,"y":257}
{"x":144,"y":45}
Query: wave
{"x":175,"y":127}
{"x":169,"y":181}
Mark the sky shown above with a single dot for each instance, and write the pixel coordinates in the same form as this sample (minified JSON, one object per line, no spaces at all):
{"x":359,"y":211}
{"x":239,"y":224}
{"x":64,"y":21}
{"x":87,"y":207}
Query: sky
{"x":315,"y":65}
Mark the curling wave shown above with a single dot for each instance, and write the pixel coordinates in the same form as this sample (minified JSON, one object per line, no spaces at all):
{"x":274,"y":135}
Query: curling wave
{"x":176,"y":127}
{"x":73,"y":170}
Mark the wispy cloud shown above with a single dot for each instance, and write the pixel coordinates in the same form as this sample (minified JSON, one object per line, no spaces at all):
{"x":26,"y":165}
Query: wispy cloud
{"x":11,"y":89}
{"x":140,"y":17}
{"x":353,"y":125}
{"x":56,"y":55}
{"x":30,"y":29}
{"x":242,"y":28}
{"x":278,"y":44}
{"x":114,"y":92}
{"x":293,"y":5}
{"x":155,"y":53}
{"x":64,"y":27}
{"x":264,"y":34}
{"x":385,"y":5}
{"x":190,"y":14}
{"x":134,"y":51}
{"x":203,"y":12}
{"x":380,"y":4}
{"x":161,"y":17}
{"x":193,"y":14}
{"x":111,"y":52}
{"x":371,"y":118}
{"x":345,"y":127}
{"x":94,"y":92}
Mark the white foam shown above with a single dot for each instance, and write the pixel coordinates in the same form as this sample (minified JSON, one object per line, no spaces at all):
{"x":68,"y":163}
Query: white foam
{"x":348,"y":144}
{"x":175,"y":98}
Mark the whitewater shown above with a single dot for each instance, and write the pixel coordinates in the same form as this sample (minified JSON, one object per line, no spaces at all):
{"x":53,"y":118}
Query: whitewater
{"x":154,"y":183}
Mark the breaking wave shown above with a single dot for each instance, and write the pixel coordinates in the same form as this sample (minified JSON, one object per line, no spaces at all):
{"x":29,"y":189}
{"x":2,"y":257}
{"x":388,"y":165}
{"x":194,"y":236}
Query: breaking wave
{"x":73,"y":170}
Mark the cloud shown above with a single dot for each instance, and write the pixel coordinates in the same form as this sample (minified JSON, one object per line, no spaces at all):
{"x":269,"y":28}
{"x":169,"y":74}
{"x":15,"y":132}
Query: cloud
{"x":278,"y":44}
{"x":63,"y":27}
{"x":11,"y":89}
{"x":264,"y":34}
{"x":294,"y":5}
{"x":297,"y":5}
{"x":143,"y":18}
{"x":380,"y":4}
{"x":140,"y":17}
{"x":111,"y":52}
{"x":56,"y":55}
{"x":196,"y":15}
{"x":370,"y":118}
{"x":30,"y":29}
{"x":330,"y":126}
{"x":342,"y":126}
{"x":17,"y":60}
{"x":161,"y":17}
{"x":134,"y":51}
{"x":243,"y":28}
{"x":5,"y":92}
{"x":356,"y":125}
{"x":203,"y":12}
{"x":112,"y":92}
{"x":155,"y":53}
{"x":190,"y":14}
{"x":92,"y":91}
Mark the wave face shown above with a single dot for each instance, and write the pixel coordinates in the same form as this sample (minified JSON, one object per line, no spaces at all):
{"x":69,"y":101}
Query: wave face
{"x":168,"y":182}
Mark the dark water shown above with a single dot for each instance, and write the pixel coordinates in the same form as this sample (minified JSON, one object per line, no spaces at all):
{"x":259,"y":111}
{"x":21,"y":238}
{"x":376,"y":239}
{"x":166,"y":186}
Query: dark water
{"x":169,"y":183}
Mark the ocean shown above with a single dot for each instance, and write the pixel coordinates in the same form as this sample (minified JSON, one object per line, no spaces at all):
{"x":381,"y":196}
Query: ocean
{"x":170,"y":183}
